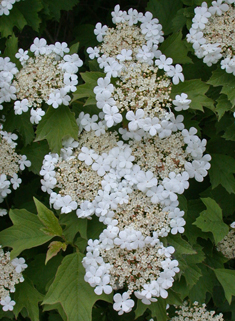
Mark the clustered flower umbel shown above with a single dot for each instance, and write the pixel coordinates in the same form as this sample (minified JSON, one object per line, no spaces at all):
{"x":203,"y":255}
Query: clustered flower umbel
{"x":10,"y":275}
{"x":131,"y":185}
{"x":6,"y":6}
{"x":212,"y":34}
{"x":144,"y":75}
{"x":11,"y":164}
{"x":47,"y":75}
{"x":98,"y":174}
{"x":195,"y":312}
{"x":227,"y":245}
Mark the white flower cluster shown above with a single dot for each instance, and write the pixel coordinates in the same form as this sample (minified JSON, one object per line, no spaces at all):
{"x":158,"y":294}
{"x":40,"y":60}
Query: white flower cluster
{"x":89,"y":172}
{"x":212,"y":34}
{"x":227,"y":245}
{"x":10,"y":275}
{"x":195,"y":312}
{"x":11,"y":164}
{"x":6,"y":6}
{"x":47,"y":75}
{"x":132,"y":188}
{"x":130,"y":53}
{"x":7,"y":71}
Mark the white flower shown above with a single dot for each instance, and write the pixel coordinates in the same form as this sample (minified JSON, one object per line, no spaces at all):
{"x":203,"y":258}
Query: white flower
{"x":19,"y":264}
{"x":93,"y":52}
{"x":100,"y":165}
{"x":104,"y":286}
{"x":181,"y":102}
{"x":100,"y":31}
{"x":218,"y":7}
{"x":38,"y":46}
{"x":145,"y":55}
{"x":125,"y":55}
{"x":36,"y":115}
{"x":23,"y":162}
{"x":67,"y":204}
{"x":7,"y":303}
{"x":112,"y":115}
{"x":164,"y":63}
{"x":135,"y":119}
{"x":22,"y":55}
{"x":87,"y":155}
{"x":103,"y":86}
{"x":122,"y":303}
{"x":3,"y":212}
{"x":21,"y":106}
{"x":176,"y":74}
{"x":15,"y":181}
{"x":61,"y":48}
{"x":55,"y":99}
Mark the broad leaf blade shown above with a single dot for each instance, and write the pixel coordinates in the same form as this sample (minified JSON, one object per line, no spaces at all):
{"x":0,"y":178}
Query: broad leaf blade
{"x":227,"y":280}
{"x":56,"y":125}
{"x":48,"y":219}
{"x":25,"y":232}
{"x":221,"y":172}
{"x":27,"y":297}
{"x":196,"y":90}
{"x":211,"y":220}
{"x":70,"y":290}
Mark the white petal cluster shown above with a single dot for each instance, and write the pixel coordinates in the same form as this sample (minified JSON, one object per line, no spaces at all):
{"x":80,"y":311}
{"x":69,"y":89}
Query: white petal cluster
{"x":49,"y":75}
{"x":195,"y":312}
{"x":129,"y":53}
{"x":210,"y":34}
{"x":89,"y":172}
{"x":11,"y":164}
{"x":7,"y":72}
{"x":6,"y":6}
{"x":10,"y":275}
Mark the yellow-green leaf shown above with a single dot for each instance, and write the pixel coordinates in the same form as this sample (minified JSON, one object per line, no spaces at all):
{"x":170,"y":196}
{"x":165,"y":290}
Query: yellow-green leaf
{"x":54,"y":248}
{"x":48,"y":219}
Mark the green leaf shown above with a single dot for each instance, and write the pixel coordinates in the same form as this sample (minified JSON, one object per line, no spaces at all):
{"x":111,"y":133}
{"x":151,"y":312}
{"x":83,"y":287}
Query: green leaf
{"x":70,"y":290}
{"x":165,"y":11}
{"x":55,"y":125}
{"x":54,"y":7}
{"x":211,"y":220}
{"x":54,"y":248}
{"x":192,"y":232}
{"x":11,"y":48}
{"x":30,"y":10}
{"x":227,"y":81}
{"x":204,"y":285}
{"x":74,"y":48}
{"x":48,"y":219}
{"x":196,"y":90}
{"x":158,"y":309}
{"x":42,"y":275}
{"x":20,"y":123}
{"x":16,"y":20}
{"x":35,"y":152}
{"x":188,"y":265}
{"x":73,"y":225}
{"x":221,"y":172}
{"x":26,"y":296}
{"x":86,"y":90}
{"x":181,"y":246}
{"x":58,"y":307}
{"x":176,"y":48}
{"x":223,"y":105}
{"x":25,"y":232}
{"x":227,"y":280}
